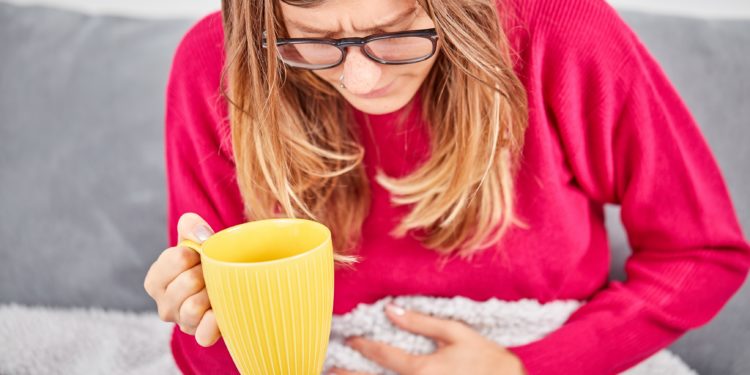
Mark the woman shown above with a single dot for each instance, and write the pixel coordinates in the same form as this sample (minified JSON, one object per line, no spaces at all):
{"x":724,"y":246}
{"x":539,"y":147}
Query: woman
{"x":455,"y":148}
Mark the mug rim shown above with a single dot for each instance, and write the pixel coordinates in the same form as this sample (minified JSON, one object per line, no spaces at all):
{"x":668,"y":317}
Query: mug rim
{"x":266,"y":262}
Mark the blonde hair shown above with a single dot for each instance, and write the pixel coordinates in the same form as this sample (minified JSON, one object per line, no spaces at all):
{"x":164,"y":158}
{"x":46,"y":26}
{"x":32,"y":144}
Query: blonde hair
{"x":298,"y":153}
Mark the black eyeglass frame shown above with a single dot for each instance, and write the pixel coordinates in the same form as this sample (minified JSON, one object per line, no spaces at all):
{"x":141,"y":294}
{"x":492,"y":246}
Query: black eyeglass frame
{"x":343,"y":43}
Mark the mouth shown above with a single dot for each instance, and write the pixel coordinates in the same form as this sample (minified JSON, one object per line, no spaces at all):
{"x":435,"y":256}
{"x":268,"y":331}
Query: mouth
{"x":377,"y":92}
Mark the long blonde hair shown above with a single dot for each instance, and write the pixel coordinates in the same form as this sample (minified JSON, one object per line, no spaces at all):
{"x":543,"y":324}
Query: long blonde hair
{"x":298,"y":153}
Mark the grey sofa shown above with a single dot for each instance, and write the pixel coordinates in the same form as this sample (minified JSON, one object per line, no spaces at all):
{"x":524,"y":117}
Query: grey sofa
{"x":82,"y":195}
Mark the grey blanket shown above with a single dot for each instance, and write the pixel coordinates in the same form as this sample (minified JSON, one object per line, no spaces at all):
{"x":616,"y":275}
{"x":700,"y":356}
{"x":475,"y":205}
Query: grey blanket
{"x":50,"y":341}
{"x":40,"y":340}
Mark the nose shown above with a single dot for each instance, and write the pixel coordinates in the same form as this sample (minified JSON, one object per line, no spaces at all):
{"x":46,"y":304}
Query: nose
{"x":360,"y":73}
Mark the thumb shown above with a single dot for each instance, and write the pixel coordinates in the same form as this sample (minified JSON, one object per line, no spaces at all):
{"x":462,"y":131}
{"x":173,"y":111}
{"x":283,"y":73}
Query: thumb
{"x":192,"y":227}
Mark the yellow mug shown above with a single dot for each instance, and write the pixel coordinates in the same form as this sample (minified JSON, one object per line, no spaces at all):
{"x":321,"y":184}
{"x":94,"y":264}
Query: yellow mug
{"x":270,"y":283}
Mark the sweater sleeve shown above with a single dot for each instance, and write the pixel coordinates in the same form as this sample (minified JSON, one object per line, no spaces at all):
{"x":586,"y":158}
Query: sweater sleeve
{"x":200,"y":169}
{"x":630,"y":140}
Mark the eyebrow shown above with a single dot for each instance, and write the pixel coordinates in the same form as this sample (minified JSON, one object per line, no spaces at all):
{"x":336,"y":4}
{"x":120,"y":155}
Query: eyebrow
{"x":393,"y":21}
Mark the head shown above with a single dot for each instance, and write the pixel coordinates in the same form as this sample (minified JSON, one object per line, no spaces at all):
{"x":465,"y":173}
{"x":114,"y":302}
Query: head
{"x":367,"y":85}
{"x":297,"y":150}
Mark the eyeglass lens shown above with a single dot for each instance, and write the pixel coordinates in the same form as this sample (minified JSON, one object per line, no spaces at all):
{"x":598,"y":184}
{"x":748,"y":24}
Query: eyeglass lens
{"x":393,"y":50}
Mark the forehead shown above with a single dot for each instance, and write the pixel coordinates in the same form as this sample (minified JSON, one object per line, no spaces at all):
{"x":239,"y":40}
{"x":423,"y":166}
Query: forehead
{"x":336,"y":15}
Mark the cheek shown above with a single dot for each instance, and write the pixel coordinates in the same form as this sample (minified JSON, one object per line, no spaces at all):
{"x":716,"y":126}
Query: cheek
{"x":428,"y":66}
{"x":418,"y":71}
{"x":406,"y":72}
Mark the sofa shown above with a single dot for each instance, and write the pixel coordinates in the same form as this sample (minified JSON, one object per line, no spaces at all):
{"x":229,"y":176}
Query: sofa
{"x":82,"y":184}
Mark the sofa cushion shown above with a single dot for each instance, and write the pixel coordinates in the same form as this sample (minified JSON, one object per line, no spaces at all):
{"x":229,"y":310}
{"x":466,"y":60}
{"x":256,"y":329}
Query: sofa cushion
{"x":81,"y":155}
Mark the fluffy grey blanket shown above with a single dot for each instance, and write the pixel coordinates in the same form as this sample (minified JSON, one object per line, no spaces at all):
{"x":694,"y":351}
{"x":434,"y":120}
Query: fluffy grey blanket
{"x":39,"y":340}
{"x":507,"y":323}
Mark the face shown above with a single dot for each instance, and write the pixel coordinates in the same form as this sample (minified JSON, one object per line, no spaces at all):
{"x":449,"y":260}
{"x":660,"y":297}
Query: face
{"x":369,"y":86}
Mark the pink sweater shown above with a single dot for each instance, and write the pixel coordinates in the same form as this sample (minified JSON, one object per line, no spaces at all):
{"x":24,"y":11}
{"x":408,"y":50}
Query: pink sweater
{"x":606,"y":126}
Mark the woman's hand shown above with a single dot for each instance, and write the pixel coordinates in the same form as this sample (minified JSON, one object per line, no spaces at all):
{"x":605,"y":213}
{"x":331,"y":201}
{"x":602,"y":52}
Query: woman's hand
{"x":461,"y":350}
{"x":175,"y":282}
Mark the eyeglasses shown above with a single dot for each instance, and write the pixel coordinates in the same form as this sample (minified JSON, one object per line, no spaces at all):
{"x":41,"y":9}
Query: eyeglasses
{"x":405,"y":47}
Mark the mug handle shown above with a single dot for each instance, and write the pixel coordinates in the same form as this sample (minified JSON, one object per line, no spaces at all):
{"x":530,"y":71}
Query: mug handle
{"x":191,"y":245}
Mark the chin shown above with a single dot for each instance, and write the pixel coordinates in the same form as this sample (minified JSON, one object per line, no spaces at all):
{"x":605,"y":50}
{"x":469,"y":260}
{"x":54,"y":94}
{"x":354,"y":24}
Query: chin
{"x":391,"y":102}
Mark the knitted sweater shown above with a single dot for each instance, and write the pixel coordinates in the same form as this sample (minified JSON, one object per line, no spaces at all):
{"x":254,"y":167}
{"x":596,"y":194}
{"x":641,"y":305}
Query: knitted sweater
{"x":605,"y":127}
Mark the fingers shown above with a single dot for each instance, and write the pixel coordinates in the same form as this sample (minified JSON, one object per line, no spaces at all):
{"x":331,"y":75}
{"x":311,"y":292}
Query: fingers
{"x":171,"y":263}
{"x":444,"y":330}
{"x":385,"y":355}
{"x":175,"y":260}
{"x":207,"y":332}
{"x":192,"y":227}
{"x":192,"y":310}
{"x":180,"y":289}
{"x":175,"y":281}
{"x":338,"y":371}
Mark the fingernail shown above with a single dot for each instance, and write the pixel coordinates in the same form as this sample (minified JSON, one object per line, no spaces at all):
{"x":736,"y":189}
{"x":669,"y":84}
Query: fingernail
{"x":202,"y":232}
{"x":397,"y":310}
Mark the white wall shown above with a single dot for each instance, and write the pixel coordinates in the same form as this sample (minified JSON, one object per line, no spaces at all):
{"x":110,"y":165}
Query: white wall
{"x":193,"y":8}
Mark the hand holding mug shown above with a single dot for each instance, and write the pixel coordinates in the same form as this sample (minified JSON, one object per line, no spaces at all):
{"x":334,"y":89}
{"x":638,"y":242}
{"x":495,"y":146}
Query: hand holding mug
{"x":175,"y":281}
